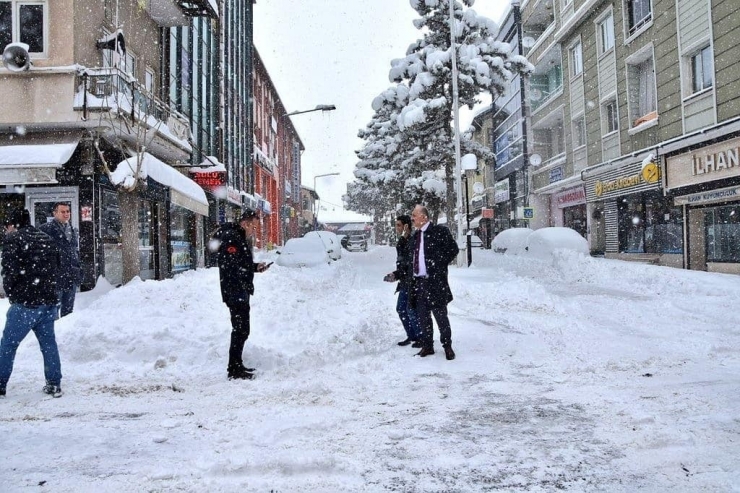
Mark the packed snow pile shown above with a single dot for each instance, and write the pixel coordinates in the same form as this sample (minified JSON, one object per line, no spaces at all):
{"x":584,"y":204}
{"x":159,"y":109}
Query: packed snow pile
{"x":544,"y":242}
{"x":572,"y":373}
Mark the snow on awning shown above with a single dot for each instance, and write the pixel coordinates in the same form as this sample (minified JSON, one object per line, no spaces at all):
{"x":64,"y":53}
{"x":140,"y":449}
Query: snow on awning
{"x":475,"y":222}
{"x":183,"y":191}
{"x":34,"y":159}
{"x":28,"y":153}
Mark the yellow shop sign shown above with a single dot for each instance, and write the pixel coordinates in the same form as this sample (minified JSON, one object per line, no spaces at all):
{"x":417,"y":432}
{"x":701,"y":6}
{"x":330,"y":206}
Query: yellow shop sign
{"x":649,"y":174}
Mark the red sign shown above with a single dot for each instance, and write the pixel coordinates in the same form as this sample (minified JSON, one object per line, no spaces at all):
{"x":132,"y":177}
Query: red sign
{"x":210,"y":179}
{"x":487,"y":213}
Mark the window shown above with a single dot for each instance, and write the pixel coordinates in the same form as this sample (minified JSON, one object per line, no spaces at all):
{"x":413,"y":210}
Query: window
{"x":723,"y":233}
{"x":579,"y":132}
{"x":611,"y":116}
{"x":606,"y":34}
{"x":702,"y":75}
{"x":641,"y":87}
{"x":576,"y":59}
{"x":24,"y":22}
{"x":650,"y":223}
{"x":639,"y":13}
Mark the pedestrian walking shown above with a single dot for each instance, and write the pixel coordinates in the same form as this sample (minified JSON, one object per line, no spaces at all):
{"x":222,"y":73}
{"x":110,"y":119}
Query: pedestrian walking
{"x":236,"y":268}
{"x":29,"y":263}
{"x":434,"y":249}
{"x":403,"y":274}
{"x":67,"y":240}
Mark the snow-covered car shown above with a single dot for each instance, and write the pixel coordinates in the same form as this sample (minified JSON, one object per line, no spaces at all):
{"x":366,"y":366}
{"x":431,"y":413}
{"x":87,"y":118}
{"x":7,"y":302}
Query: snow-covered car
{"x":475,"y":242}
{"x":330,"y":240}
{"x":511,"y":241}
{"x":303,"y":252}
{"x":543,"y":242}
{"x":357,"y":243}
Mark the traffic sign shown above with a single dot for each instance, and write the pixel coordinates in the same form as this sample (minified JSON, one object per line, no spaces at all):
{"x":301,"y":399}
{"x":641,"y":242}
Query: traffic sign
{"x":528,"y":213}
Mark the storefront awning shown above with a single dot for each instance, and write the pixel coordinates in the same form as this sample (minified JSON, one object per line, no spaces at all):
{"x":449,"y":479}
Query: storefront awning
{"x":34,"y":159}
{"x":184,"y":192}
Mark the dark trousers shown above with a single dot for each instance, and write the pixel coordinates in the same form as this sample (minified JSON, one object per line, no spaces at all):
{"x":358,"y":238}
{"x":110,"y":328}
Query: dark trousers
{"x":66,"y":301}
{"x":239,"y":333}
{"x":425,"y":308}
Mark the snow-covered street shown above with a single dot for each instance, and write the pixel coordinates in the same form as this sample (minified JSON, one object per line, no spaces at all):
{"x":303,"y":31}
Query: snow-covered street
{"x":573,"y":373}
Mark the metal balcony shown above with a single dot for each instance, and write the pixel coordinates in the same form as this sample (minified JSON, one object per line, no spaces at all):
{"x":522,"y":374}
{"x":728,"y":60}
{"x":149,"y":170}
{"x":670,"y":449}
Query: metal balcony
{"x":108,"y":89}
{"x":169,"y":13}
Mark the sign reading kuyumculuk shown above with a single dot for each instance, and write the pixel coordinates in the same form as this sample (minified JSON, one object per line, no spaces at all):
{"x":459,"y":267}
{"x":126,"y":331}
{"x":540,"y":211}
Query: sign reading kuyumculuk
{"x":710,"y":197}
{"x":501,"y":191}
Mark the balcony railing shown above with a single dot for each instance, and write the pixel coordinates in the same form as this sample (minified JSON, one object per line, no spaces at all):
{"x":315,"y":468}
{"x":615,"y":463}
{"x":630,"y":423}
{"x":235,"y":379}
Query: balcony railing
{"x":108,"y":88}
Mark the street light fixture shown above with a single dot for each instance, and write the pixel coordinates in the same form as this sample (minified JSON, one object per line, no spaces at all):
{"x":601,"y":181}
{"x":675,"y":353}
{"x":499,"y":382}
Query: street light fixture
{"x":316,"y":215}
{"x":319,"y":107}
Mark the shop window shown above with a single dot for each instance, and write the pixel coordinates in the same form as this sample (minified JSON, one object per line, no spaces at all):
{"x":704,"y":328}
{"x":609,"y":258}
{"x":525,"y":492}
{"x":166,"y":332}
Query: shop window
{"x":650,"y":224}
{"x":181,"y":227}
{"x":723,"y":233}
{"x":23,"y":21}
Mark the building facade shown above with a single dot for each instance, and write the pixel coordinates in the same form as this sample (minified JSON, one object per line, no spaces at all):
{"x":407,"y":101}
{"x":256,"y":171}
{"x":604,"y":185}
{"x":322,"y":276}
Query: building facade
{"x":85,"y":104}
{"x":630,"y":126}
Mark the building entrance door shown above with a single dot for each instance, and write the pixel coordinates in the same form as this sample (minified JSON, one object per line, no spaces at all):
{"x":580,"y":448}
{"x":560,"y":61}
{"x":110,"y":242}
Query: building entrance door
{"x":40,"y":203}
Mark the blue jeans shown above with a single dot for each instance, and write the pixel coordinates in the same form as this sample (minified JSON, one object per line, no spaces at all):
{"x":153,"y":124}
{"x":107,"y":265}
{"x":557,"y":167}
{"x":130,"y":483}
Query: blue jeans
{"x":407,"y":315}
{"x":66,"y":301}
{"x":19,"y":321}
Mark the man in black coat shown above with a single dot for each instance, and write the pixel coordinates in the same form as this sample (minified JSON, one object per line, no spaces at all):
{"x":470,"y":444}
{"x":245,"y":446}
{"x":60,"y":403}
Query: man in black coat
{"x":236,"y":268}
{"x":434,"y":249}
{"x":69,"y":273}
{"x":29,"y":265}
{"x":402,"y":274}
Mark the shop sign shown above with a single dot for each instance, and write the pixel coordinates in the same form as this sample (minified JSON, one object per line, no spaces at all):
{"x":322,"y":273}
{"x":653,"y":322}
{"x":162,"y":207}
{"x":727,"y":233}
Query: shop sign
{"x":234,"y":196}
{"x":487,"y":213}
{"x":715,"y":162}
{"x":570,"y":197}
{"x":501,"y":191}
{"x":650,"y":174}
{"x":713,"y":196}
{"x":209,"y":179}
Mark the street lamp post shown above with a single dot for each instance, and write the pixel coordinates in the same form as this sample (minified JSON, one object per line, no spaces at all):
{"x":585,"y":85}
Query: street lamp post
{"x":467,"y":217}
{"x":316,"y":215}
{"x":322,"y":108}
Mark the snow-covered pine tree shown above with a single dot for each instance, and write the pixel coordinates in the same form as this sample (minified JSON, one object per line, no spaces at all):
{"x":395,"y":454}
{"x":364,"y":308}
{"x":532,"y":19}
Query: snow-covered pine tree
{"x":378,"y":187}
{"x":424,"y":156}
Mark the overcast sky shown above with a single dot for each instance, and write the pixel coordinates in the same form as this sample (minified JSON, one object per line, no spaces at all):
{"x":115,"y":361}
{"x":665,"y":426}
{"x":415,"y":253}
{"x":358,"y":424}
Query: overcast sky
{"x":336,"y":52}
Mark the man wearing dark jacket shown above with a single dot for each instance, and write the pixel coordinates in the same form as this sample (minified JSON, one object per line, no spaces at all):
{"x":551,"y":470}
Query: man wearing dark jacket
{"x":236,"y":268}
{"x":402,"y":274}
{"x":434,"y":249}
{"x":67,"y":240}
{"x":29,"y":262}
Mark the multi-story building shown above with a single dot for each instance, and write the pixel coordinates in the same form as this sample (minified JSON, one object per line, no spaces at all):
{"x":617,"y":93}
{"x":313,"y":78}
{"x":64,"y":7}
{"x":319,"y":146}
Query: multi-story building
{"x":509,"y":140}
{"x":89,"y":91}
{"x":630,"y":126}
{"x":277,"y":158}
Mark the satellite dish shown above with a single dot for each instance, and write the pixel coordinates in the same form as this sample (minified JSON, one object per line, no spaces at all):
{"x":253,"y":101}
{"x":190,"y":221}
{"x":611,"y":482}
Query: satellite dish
{"x":535,"y":159}
{"x":478,"y":188}
{"x":16,"y":57}
{"x":528,"y":41}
